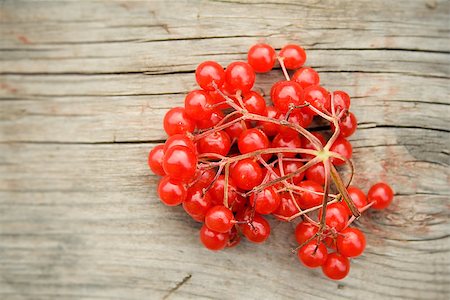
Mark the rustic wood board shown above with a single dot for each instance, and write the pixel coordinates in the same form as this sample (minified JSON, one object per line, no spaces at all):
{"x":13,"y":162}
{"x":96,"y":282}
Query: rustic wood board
{"x":85,"y":84}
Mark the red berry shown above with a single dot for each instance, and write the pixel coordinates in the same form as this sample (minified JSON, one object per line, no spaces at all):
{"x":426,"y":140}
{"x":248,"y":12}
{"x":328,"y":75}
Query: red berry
{"x":255,"y":103}
{"x":287,"y":141}
{"x":265,"y":201}
{"x":358,"y":197}
{"x":381,"y":194}
{"x":213,"y":240}
{"x":155,"y":160}
{"x":253,"y":139}
{"x":351,"y":242}
{"x":235,"y":238}
{"x":218,"y":189}
{"x":310,"y":197}
{"x":215,"y":118}
{"x":261,"y":57}
{"x":292,"y":167}
{"x":208,"y":72}
{"x":341,"y":101}
{"x":197,"y":105}
{"x":306,"y":77}
{"x":269,"y":128}
{"x":204,"y":177}
{"x":287,"y":207}
{"x":343,"y":147}
{"x":180,"y":163}
{"x":316,"y":173}
{"x":235,"y":130}
{"x":336,"y":216}
{"x":217,"y":142}
{"x":318,"y":97}
{"x":304,"y":231}
{"x":247,"y":174}
{"x":336,"y":266}
{"x":287,"y":93}
{"x":171,"y":192}
{"x":313,"y":255}
{"x":179,"y":140}
{"x":258,"y":231}
{"x":294,"y":56}
{"x":347,"y":125}
{"x":177,"y":121}
{"x":196,"y":203}
{"x":240,"y":76}
{"x":219,"y":218}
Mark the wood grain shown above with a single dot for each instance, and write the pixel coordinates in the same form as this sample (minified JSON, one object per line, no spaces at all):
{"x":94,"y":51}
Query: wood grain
{"x":83,"y":90}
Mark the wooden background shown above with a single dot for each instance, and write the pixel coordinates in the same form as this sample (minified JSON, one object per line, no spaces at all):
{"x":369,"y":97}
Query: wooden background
{"x":84,"y":87}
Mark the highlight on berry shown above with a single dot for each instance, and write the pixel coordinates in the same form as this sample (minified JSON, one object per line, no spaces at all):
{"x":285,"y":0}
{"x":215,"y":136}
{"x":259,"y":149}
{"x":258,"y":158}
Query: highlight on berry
{"x":235,"y":156}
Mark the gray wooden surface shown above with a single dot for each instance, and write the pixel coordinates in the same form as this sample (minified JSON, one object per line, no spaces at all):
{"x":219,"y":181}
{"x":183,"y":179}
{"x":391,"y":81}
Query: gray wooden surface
{"x":85,"y":84}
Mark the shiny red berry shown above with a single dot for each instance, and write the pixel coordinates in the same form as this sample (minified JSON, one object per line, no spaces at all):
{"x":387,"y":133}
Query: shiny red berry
{"x":265,"y":201}
{"x":219,"y":218}
{"x":336,"y":216}
{"x":261,"y":57}
{"x":217,"y":142}
{"x":351,"y":242}
{"x":240,"y":76}
{"x":179,"y":140}
{"x":176,"y":121}
{"x":247,"y":174}
{"x":336,"y":266}
{"x":171,"y":192}
{"x":381,"y":194}
{"x":208,"y":72}
{"x":197,"y":203}
{"x":287,"y":141}
{"x":318,"y":97}
{"x":287,"y":93}
{"x":313,"y":255}
{"x":310,"y":196}
{"x":306,"y":77}
{"x":258,"y":231}
{"x":358,"y":197}
{"x":255,"y":103}
{"x":180,"y":163}
{"x":155,"y":160}
{"x":294,"y":56}
{"x":213,"y":240}
{"x":197,"y":105}
{"x":304,"y":231}
{"x":343,"y":147}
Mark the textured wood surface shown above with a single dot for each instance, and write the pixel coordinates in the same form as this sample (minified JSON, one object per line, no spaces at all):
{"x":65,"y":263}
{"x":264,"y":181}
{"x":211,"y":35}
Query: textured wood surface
{"x":85,"y":84}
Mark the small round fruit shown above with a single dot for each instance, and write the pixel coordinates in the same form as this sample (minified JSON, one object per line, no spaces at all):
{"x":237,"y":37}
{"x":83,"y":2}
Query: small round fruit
{"x":217,"y":142}
{"x":306,"y":77}
{"x":261,"y":57}
{"x":318,"y":97}
{"x":265,"y":201}
{"x":240,"y":76}
{"x":287,"y":141}
{"x":219,"y":218}
{"x":197,"y":105}
{"x":311,"y":196}
{"x":347,"y":125}
{"x":176,"y":121}
{"x":209,"y":72}
{"x":336,"y":216}
{"x":196,"y":203}
{"x":180,"y":163}
{"x":287,"y":207}
{"x":304,"y":231}
{"x":358,"y":197}
{"x":179,"y":140}
{"x":213,"y":240}
{"x":343,"y":147}
{"x":247,"y":174}
{"x":313,"y":255}
{"x":336,"y":266}
{"x":294,"y":56}
{"x":285,"y":94}
{"x":218,"y":189}
{"x":254,"y":103}
{"x":341,"y":101}
{"x":381,"y":194}
{"x":171,"y":192}
{"x":251,"y":140}
{"x":316,"y":173}
{"x":258,"y":231}
{"x":155,"y":160}
{"x":351,"y":242}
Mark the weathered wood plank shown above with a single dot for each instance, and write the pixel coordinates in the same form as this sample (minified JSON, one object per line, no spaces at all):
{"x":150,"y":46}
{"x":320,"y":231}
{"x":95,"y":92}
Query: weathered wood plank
{"x":84,"y":87}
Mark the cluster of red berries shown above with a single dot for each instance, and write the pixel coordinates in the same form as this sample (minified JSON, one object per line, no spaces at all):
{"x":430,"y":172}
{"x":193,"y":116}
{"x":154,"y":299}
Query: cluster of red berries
{"x":231,"y":160}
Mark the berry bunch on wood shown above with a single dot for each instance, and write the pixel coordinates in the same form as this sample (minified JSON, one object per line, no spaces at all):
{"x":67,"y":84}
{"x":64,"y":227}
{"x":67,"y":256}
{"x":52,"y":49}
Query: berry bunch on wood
{"x":231,"y":160}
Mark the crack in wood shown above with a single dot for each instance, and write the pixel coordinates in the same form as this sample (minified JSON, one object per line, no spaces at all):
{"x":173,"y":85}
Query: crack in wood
{"x":177,"y":286}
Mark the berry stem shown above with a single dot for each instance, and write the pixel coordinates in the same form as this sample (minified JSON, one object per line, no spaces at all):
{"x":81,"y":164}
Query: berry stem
{"x":283,"y":67}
